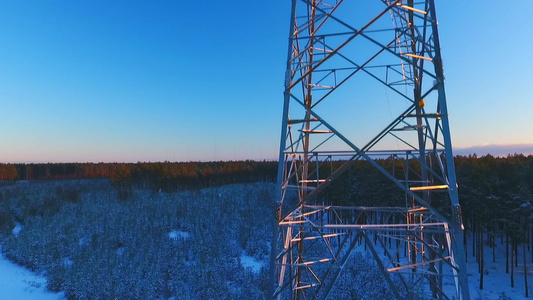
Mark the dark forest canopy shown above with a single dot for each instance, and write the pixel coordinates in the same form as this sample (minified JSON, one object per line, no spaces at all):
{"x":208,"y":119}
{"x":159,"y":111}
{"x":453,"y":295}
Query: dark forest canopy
{"x":215,"y":173}
{"x":486,"y":174}
{"x":160,"y":175}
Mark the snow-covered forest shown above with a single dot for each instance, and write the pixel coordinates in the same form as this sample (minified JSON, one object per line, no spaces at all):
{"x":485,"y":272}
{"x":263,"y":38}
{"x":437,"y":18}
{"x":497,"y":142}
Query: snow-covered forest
{"x":102,"y":238}
{"x":204,"y":244}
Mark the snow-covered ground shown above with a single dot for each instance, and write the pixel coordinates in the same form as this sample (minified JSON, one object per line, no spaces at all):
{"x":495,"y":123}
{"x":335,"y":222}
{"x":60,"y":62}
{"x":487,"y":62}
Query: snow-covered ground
{"x":250,"y":262}
{"x":17,"y":229}
{"x":177,"y":234}
{"x":496,"y":282}
{"x":17,"y":283}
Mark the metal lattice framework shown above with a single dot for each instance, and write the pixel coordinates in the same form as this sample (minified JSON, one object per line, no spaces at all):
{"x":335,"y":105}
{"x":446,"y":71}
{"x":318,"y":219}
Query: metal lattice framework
{"x":354,"y":68}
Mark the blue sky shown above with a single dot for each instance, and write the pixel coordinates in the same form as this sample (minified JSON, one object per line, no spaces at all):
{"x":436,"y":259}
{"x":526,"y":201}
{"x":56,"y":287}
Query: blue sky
{"x":196,"y":80}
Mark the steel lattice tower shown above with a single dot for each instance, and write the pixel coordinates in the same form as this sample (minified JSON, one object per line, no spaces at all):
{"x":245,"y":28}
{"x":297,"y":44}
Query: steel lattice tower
{"x":364,"y":82}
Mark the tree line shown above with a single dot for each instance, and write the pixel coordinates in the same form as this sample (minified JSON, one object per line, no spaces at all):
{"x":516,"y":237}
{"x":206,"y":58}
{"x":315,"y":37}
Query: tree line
{"x":166,"y":176}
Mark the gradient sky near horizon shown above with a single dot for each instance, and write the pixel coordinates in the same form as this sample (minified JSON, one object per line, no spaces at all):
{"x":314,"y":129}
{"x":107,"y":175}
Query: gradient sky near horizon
{"x":128,"y":81}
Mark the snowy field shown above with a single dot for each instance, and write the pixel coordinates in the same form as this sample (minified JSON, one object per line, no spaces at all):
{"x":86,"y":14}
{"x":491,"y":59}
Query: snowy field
{"x":19,"y":283}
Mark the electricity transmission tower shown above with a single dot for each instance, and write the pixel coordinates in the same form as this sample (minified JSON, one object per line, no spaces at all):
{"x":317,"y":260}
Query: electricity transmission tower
{"x":364,"y":85}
